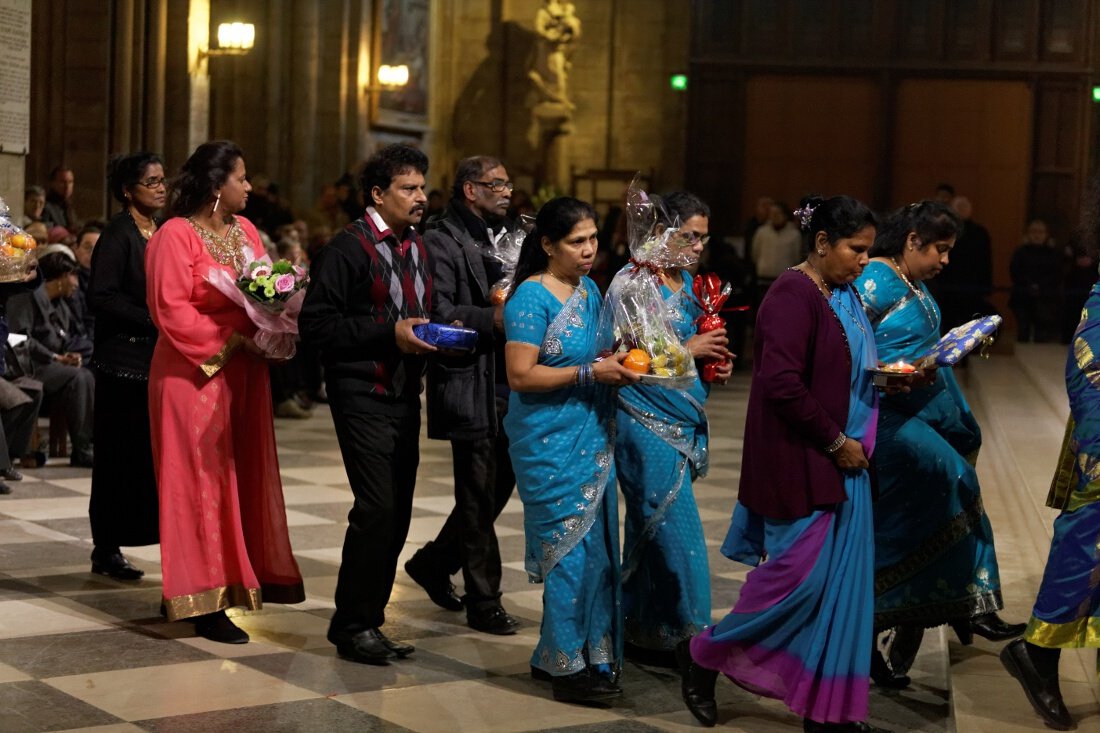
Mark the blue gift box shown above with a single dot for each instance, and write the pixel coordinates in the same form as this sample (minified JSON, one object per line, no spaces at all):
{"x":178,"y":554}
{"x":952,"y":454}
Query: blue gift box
{"x":960,"y":341}
{"x":451,"y":338}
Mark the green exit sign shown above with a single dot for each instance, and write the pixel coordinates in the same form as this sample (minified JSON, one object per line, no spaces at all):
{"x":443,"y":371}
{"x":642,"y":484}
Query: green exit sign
{"x":679,"y":82}
{"x":1096,"y":94}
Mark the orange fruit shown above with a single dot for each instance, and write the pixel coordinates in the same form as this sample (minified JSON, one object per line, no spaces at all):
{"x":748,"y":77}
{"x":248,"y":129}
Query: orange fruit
{"x":9,"y":251}
{"x":19,"y":240}
{"x":637,"y":361}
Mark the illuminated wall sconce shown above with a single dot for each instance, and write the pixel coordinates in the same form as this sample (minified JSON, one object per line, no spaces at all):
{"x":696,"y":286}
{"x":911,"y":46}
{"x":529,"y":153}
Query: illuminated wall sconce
{"x":390,"y":78}
{"x":234,"y":39}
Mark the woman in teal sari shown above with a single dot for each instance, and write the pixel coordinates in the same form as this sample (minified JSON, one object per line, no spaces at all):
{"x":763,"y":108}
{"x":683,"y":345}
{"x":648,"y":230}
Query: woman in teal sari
{"x":934,"y":556}
{"x":661,"y":447}
{"x":560,"y":426}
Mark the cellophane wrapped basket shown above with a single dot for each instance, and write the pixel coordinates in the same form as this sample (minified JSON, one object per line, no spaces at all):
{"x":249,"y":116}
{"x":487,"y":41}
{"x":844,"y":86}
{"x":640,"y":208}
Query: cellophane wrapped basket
{"x":506,"y":251}
{"x":635,"y":318}
{"x":17,"y":248}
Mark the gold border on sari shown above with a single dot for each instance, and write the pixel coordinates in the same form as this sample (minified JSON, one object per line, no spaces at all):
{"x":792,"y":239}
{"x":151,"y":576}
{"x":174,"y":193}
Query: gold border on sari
{"x":1081,"y":632}
{"x":213,"y":365}
{"x":218,"y":599}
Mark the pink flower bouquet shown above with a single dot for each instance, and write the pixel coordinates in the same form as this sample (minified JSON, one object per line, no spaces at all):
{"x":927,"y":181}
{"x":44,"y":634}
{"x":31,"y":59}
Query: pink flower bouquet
{"x":272,"y":295}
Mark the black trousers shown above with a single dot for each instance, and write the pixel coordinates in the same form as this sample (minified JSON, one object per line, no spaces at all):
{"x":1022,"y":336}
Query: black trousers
{"x":381,"y":453}
{"x":484,"y":482}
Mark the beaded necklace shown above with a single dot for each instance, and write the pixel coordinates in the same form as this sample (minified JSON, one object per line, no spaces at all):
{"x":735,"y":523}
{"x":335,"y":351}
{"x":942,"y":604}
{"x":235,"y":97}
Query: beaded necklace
{"x":225,"y":250}
{"x":921,"y":297}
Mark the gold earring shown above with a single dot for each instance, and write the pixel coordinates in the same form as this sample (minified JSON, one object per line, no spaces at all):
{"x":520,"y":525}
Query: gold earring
{"x":217,"y":201}
{"x":821,"y":253}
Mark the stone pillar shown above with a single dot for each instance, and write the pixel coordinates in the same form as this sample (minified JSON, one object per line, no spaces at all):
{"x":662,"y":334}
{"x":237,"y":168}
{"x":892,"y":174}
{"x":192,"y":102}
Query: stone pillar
{"x":306,"y":52}
{"x":156,"y":58}
{"x":198,"y":68}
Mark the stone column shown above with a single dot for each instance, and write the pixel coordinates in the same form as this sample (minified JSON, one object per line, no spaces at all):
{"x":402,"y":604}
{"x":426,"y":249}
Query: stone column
{"x":198,"y":72}
{"x":305,"y":50}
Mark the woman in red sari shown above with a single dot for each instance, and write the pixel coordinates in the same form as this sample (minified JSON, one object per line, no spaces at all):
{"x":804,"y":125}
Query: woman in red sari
{"x":224,"y":539}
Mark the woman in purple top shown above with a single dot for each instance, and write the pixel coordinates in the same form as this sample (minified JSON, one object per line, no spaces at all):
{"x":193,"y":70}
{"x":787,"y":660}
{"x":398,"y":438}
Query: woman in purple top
{"x":801,"y":629}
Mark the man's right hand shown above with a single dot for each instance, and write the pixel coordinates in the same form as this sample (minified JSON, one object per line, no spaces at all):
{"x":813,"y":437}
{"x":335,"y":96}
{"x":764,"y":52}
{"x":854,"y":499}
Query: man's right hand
{"x":407,"y":341}
{"x":850,"y":456}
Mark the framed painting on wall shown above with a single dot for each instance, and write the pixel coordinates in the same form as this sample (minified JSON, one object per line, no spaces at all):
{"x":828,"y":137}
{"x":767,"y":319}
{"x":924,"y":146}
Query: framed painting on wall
{"x":401,"y":32}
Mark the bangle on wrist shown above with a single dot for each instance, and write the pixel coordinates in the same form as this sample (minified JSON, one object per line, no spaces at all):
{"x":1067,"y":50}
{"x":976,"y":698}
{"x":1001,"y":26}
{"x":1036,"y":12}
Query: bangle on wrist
{"x":836,"y":444}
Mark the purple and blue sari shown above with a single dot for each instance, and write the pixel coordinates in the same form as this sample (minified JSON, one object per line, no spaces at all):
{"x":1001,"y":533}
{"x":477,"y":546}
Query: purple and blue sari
{"x":801,"y":629}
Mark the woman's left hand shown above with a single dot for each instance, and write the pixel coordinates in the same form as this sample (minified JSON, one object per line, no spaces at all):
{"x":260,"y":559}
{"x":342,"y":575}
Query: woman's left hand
{"x":723,"y":371}
{"x":708,"y":345}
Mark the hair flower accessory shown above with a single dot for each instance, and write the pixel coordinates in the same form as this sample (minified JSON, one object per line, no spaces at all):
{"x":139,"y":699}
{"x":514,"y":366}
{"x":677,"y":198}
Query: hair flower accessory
{"x":804,"y":214}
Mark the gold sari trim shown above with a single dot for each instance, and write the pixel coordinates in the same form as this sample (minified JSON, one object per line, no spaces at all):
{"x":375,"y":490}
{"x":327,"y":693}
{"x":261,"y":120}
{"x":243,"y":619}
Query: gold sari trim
{"x":217,"y":599}
{"x":1063,"y":483}
{"x":1082,"y":632}
{"x":213,"y":365}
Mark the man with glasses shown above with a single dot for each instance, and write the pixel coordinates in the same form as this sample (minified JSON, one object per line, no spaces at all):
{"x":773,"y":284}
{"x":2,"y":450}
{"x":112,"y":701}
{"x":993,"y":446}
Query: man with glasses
{"x":468,"y":398}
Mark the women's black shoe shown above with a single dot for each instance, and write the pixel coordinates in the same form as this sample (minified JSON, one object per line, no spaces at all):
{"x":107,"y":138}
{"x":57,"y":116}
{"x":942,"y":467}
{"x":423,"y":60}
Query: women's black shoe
{"x":217,"y":627}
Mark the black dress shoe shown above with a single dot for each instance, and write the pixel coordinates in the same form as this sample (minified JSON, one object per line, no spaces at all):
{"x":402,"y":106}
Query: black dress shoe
{"x":1043,"y":694}
{"x":697,"y":686}
{"x":366,"y":647}
{"x":4,"y":488}
{"x":115,"y":565}
{"x":994,"y":628}
{"x":812,"y":726}
{"x":10,"y":474}
{"x":82,"y":459}
{"x":438,"y":586}
{"x":493,"y":620}
{"x":885,"y":677}
{"x":217,"y":627}
{"x":583,"y":687}
{"x":401,"y":649}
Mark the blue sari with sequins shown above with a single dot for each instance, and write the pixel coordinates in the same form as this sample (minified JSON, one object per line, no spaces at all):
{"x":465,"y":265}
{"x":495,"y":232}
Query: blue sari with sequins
{"x":1067,"y":607}
{"x":561,"y":445}
{"x":660,"y":448}
{"x":934,"y":555}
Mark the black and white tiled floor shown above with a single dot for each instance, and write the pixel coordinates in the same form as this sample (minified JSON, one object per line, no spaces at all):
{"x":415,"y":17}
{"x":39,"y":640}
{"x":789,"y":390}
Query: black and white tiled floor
{"x":83,"y":652}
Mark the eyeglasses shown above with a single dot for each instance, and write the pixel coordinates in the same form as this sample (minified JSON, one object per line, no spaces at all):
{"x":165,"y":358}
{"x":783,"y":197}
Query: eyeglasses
{"x":691,"y":238}
{"x":153,"y":182}
{"x":496,"y":185}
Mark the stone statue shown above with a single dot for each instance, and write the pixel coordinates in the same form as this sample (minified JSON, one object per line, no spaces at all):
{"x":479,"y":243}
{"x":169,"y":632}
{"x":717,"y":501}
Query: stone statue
{"x":558,"y":27}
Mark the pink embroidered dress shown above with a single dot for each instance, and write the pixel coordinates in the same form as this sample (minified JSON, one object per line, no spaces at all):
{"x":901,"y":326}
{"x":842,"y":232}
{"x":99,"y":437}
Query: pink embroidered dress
{"x":224,"y":539}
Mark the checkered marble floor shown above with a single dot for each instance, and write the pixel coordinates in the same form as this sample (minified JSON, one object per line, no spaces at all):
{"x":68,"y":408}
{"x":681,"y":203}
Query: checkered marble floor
{"x":83,"y":652}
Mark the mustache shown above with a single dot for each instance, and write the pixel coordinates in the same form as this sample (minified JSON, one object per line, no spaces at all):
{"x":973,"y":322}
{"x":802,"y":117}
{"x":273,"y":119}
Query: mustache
{"x":418,"y":208}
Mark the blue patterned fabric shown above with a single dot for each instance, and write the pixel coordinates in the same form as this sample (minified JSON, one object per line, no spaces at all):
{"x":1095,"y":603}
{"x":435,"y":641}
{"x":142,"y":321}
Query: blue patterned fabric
{"x":561,"y":445}
{"x":802,"y":627}
{"x":661,"y":446}
{"x":934,"y":555}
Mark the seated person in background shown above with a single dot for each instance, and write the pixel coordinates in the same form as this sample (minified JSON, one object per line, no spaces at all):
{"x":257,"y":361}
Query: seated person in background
{"x":85,"y":245}
{"x":58,"y":347}
{"x":34,"y":201}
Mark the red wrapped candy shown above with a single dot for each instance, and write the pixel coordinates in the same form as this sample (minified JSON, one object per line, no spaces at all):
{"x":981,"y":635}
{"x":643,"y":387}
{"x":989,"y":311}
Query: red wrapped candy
{"x":712,"y":294}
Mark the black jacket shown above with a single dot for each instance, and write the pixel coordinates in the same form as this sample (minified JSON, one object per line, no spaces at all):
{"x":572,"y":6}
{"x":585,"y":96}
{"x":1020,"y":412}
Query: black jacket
{"x":461,"y":389}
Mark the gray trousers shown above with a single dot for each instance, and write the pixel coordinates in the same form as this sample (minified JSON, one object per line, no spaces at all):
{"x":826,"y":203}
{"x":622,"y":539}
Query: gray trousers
{"x":74,"y":389}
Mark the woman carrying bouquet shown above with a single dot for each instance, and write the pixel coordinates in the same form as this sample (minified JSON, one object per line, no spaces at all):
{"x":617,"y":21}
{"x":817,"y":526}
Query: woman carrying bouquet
{"x":123,"y":506}
{"x":934,"y":556}
{"x":660,"y":447}
{"x":560,"y":426}
{"x":801,"y":629}
{"x":223,"y":533}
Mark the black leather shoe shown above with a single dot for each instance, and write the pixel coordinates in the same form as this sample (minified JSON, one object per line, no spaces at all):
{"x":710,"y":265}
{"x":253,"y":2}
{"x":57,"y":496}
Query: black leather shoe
{"x":10,"y":474}
{"x":1043,"y":694}
{"x":697,"y":686}
{"x":4,"y":488}
{"x":963,"y":631}
{"x":399,"y":648}
{"x":82,"y":459}
{"x":116,"y":566}
{"x":217,"y":627}
{"x":493,"y":620}
{"x":584,"y":686}
{"x":439,"y":587}
{"x":811,"y":726}
{"x":994,"y":628}
{"x":885,"y":677}
{"x":366,"y":647}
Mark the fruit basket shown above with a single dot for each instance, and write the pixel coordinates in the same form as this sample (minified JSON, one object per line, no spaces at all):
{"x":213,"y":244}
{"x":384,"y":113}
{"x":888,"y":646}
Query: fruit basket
{"x":17,"y":249}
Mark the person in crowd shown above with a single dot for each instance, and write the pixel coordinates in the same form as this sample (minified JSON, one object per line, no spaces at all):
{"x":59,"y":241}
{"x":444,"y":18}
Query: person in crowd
{"x":776,"y":246}
{"x":223,"y":534}
{"x":123,"y":508}
{"x":20,"y":394}
{"x":660,"y":448}
{"x":801,"y":629}
{"x":34,"y":202}
{"x":962,"y":290}
{"x":369,"y":287}
{"x":1066,"y":612}
{"x":1079,"y":279}
{"x":464,"y":403}
{"x":761,"y":215}
{"x":945,"y":193}
{"x":349,"y":198}
{"x":436,"y":206}
{"x":1036,"y":272}
{"x":559,"y":425}
{"x":59,"y":210}
{"x":83,"y":248}
{"x":935,"y":561}
{"x":58,"y":348}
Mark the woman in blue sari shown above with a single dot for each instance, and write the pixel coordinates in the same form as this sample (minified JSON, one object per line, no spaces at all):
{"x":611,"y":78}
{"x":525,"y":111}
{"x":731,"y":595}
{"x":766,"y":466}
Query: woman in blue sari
{"x":1066,"y":614}
{"x":560,"y":426}
{"x":661,"y":447}
{"x":802,"y":626}
{"x":934,"y":556}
